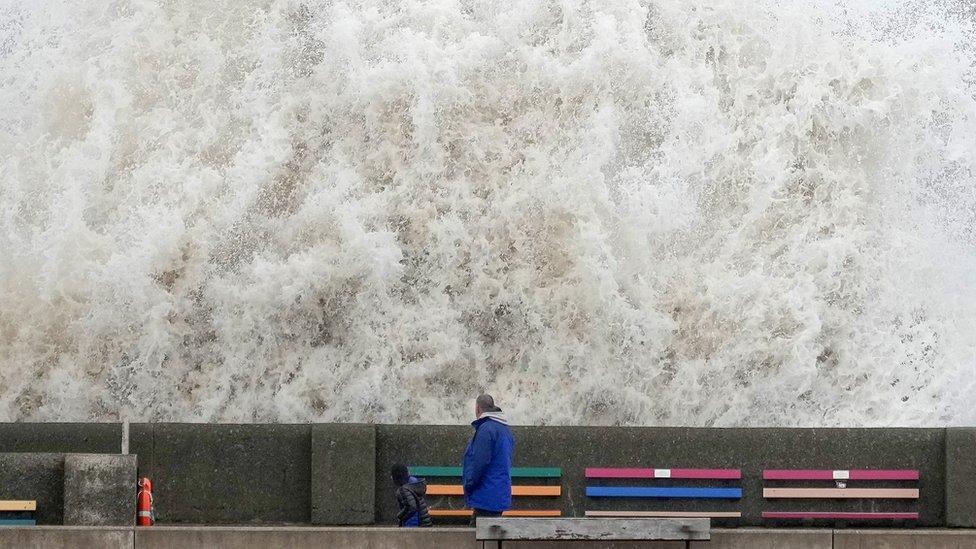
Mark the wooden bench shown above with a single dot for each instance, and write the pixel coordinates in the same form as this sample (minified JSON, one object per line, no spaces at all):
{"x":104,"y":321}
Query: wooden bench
{"x":664,"y":492}
{"x":499,"y":530}
{"x":518,"y":490}
{"x":18,"y":512}
{"x":840,"y":477}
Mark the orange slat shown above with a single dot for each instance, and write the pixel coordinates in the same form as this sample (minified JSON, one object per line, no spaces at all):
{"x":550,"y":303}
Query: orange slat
{"x":512,"y":513}
{"x":18,"y":505}
{"x":533,"y":513}
{"x":450,"y":512}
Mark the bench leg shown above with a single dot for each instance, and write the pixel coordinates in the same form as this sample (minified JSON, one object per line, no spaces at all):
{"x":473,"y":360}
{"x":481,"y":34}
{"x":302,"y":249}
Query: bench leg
{"x":491,"y":544}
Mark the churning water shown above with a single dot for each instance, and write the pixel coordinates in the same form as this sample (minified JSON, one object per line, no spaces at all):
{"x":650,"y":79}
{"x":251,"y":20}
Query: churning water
{"x":612,"y":212}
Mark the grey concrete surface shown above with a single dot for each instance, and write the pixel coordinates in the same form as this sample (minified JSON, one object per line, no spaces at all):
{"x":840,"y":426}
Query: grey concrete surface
{"x":343,"y":474}
{"x":193,"y":537}
{"x":35,"y":476}
{"x":61,"y":438}
{"x":99,"y":489}
{"x":764,"y":538}
{"x":227,"y":474}
{"x":304,"y":538}
{"x":55,"y":537}
{"x":904,"y":539}
{"x":960,"y":492}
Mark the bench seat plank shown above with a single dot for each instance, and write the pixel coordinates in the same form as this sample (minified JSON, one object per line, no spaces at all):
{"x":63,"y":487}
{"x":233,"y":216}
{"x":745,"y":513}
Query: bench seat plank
{"x":458,"y":490}
{"x":666,"y":514}
{"x":509,"y":513}
{"x":841,"y":493}
{"x":517,"y":472}
{"x":840,"y":474}
{"x":18,"y":505}
{"x":662,"y":492}
{"x":838,"y":515}
{"x":623,"y":529}
{"x":618,"y":472}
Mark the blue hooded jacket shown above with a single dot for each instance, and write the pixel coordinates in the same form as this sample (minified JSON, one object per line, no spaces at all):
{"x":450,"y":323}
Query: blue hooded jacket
{"x":487,"y":467}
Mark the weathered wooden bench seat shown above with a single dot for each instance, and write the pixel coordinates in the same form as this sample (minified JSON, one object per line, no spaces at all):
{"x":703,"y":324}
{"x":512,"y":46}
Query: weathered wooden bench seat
{"x":503,"y":529}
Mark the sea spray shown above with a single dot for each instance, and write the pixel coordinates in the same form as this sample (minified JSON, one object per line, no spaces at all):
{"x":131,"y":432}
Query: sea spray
{"x":628,"y":212}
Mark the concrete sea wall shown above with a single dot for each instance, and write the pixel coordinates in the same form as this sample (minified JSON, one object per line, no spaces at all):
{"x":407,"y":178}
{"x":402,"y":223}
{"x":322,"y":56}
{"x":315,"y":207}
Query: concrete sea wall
{"x":337,"y":474}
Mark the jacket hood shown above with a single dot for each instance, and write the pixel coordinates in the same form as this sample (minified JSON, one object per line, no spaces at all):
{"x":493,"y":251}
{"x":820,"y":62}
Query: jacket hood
{"x":417,"y":486}
{"x":498,"y":416}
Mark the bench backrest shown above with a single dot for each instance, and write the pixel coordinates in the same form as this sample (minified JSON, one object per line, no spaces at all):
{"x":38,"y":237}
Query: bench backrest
{"x":809,"y":490}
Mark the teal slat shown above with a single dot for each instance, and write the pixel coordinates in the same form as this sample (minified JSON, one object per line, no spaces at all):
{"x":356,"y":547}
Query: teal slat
{"x":520,"y":472}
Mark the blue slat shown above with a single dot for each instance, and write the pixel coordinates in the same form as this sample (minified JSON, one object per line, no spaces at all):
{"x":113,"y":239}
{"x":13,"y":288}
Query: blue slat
{"x":18,"y":522}
{"x":674,"y":492}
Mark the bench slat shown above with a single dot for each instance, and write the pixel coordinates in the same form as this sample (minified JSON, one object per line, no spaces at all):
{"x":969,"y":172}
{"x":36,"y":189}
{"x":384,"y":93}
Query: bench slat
{"x":665,"y":514}
{"x":840,"y":474}
{"x":458,"y":490}
{"x":600,"y":529}
{"x":509,"y":513}
{"x":18,"y":522}
{"x":18,"y":505}
{"x":517,"y":472}
{"x":663,"y":492}
{"x":619,"y":472}
{"x":841,"y":493}
{"x":838,"y":515}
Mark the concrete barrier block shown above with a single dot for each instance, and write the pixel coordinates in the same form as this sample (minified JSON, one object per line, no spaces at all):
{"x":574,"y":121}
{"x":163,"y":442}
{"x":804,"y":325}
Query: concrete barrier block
{"x":960,"y":492}
{"x":230,"y":474}
{"x":48,"y":537}
{"x":343,"y":474}
{"x":99,"y":489}
{"x":61,"y":438}
{"x":39,"y":477}
{"x":904,"y":539}
{"x":303,"y":538}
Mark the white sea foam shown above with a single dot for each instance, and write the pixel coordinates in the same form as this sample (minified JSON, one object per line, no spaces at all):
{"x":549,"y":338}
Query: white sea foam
{"x":617,"y":212}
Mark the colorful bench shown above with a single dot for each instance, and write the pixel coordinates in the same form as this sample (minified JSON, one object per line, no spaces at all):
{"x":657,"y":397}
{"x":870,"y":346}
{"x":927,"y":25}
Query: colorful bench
{"x":840,"y":492}
{"x":18,"y":512}
{"x":664,"y":492}
{"x":518,"y":490}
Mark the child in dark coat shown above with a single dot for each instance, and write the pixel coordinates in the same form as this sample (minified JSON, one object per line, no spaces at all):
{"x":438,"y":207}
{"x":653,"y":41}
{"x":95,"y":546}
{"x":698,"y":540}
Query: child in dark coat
{"x":410,"y":497}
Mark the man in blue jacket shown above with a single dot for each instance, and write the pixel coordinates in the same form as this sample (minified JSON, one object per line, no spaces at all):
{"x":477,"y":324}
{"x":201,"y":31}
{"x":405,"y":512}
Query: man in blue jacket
{"x":487,"y":468}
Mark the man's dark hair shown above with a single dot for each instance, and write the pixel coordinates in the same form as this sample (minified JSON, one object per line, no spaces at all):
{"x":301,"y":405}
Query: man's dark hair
{"x":400,"y":474}
{"x":486,"y":403}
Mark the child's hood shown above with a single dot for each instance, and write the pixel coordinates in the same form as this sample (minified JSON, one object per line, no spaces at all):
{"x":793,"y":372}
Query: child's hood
{"x":416,"y":485}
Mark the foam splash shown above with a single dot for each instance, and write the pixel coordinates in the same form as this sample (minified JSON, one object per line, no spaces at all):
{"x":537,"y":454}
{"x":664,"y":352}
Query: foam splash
{"x":630,"y":212}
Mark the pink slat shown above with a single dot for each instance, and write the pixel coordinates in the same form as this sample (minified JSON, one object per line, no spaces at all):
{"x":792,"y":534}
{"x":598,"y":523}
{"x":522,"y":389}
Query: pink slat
{"x":839,"y":515}
{"x":608,"y":472}
{"x":828,"y":474}
{"x":614,"y":472}
{"x":706,"y":473}
{"x":871,"y":474}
